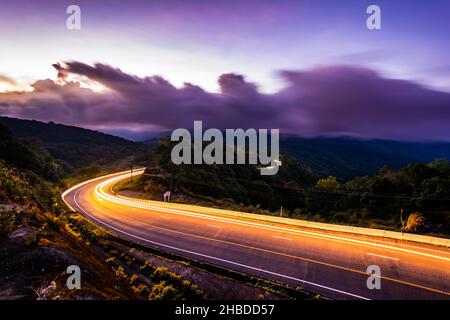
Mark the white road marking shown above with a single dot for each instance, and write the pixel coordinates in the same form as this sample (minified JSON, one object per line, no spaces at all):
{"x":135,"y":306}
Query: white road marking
{"x":310,"y":234}
{"x":216,"y":258}
{"x":100,"y":192}
{"x":411,"y":246}
{"x":212,"y":257}
{"x":381,"y":256}
{"x":282,"y":238}
{"x":165,"y":217}
{"x":212,"y":226}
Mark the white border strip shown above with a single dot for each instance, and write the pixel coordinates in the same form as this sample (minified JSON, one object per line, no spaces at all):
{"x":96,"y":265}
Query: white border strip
{"x":216,"y":258}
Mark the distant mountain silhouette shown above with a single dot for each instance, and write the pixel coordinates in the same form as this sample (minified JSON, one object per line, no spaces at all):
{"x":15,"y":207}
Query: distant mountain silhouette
{"x":344,"y":158}
{"x":347,"y":158}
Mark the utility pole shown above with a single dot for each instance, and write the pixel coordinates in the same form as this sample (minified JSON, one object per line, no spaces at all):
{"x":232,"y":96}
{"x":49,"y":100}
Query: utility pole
{"x":281,"y":211}
{"x":131,"y":174}
{"x":402,"y":221}
{"x":171,"y":177}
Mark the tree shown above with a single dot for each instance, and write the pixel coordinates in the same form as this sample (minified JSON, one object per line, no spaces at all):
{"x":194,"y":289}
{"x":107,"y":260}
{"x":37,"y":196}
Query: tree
{"x":329,"y":183}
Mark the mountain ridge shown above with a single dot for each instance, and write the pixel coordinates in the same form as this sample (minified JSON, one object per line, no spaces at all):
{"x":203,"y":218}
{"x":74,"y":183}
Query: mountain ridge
{"x":74,"y":146}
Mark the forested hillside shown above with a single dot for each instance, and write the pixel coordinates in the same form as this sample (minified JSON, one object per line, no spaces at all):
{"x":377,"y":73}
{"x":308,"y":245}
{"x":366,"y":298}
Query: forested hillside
{"x":235,"y":183}
{"x":347,"y":158}
{"x":382,"y":200}
{"x":76,"y":147}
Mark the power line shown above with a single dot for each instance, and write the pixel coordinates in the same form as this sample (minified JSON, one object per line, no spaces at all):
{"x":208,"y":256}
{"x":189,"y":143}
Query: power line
{"x":315,"y":190}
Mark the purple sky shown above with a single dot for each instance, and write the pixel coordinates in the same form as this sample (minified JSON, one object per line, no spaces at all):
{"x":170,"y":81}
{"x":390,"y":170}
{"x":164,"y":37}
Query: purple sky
{"x":310,"y":68}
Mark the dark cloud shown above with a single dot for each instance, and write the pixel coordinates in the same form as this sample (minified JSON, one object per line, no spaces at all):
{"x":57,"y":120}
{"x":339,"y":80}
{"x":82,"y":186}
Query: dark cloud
{"x":325,"y":101}
{"x":359,"y":102}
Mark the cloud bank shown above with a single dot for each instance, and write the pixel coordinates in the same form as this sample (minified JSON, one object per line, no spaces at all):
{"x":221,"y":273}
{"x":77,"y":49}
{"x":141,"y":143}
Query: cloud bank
{"x":324,"y":101}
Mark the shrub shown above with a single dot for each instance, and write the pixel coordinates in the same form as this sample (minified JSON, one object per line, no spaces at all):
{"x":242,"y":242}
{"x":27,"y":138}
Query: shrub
{"x":163,"y":274}
{"x":133,"y":278}
{"x":120,"y":272}
{"x":147,"y":266}
{"x":70,"y":230}
{"x":162,"y":291}
{"x":139,"y":289}
{"x":110,"y":259}
{"x":86,"y":230}
{"x":415,"y":221}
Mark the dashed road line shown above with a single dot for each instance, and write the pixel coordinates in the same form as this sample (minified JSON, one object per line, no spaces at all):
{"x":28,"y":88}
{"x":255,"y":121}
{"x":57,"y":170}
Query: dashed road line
{"x":381,"y":256}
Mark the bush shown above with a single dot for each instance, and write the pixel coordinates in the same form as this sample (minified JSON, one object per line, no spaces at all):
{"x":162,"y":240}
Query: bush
{"x":415,"y":221}
{"x":163,"y":274}
{"x":162,"y":291}
{"x":120,"y":272}
{"x":139,"y":289}
{"x":133,"y":278}
{"x":85,"y":229}
{"x":147,"y":266}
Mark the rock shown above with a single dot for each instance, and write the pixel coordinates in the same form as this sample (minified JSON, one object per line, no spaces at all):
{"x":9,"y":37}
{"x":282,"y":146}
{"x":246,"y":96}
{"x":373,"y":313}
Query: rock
{"x":19,"y":233}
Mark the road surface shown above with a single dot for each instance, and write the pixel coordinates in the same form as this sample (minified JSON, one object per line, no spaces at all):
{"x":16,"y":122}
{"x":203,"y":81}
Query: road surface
{"x":332,"y":264}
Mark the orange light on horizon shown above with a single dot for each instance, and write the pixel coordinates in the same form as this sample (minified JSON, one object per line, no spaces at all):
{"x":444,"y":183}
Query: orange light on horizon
{"x":10,"y":87}
{"x":83,"y":82}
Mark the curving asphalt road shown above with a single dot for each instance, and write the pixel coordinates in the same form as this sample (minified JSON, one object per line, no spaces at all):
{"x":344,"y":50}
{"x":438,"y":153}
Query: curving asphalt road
{"x":330,"y":263}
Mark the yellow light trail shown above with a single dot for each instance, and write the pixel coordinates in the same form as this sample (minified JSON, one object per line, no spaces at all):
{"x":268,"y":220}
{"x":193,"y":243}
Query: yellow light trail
{"x":100,"y":193}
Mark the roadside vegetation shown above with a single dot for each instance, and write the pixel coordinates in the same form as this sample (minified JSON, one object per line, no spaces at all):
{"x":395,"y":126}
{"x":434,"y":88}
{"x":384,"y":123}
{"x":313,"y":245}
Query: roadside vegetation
{"x":38,"y":243}
{"x":40,"y":238}
{"x":415,"y":198}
